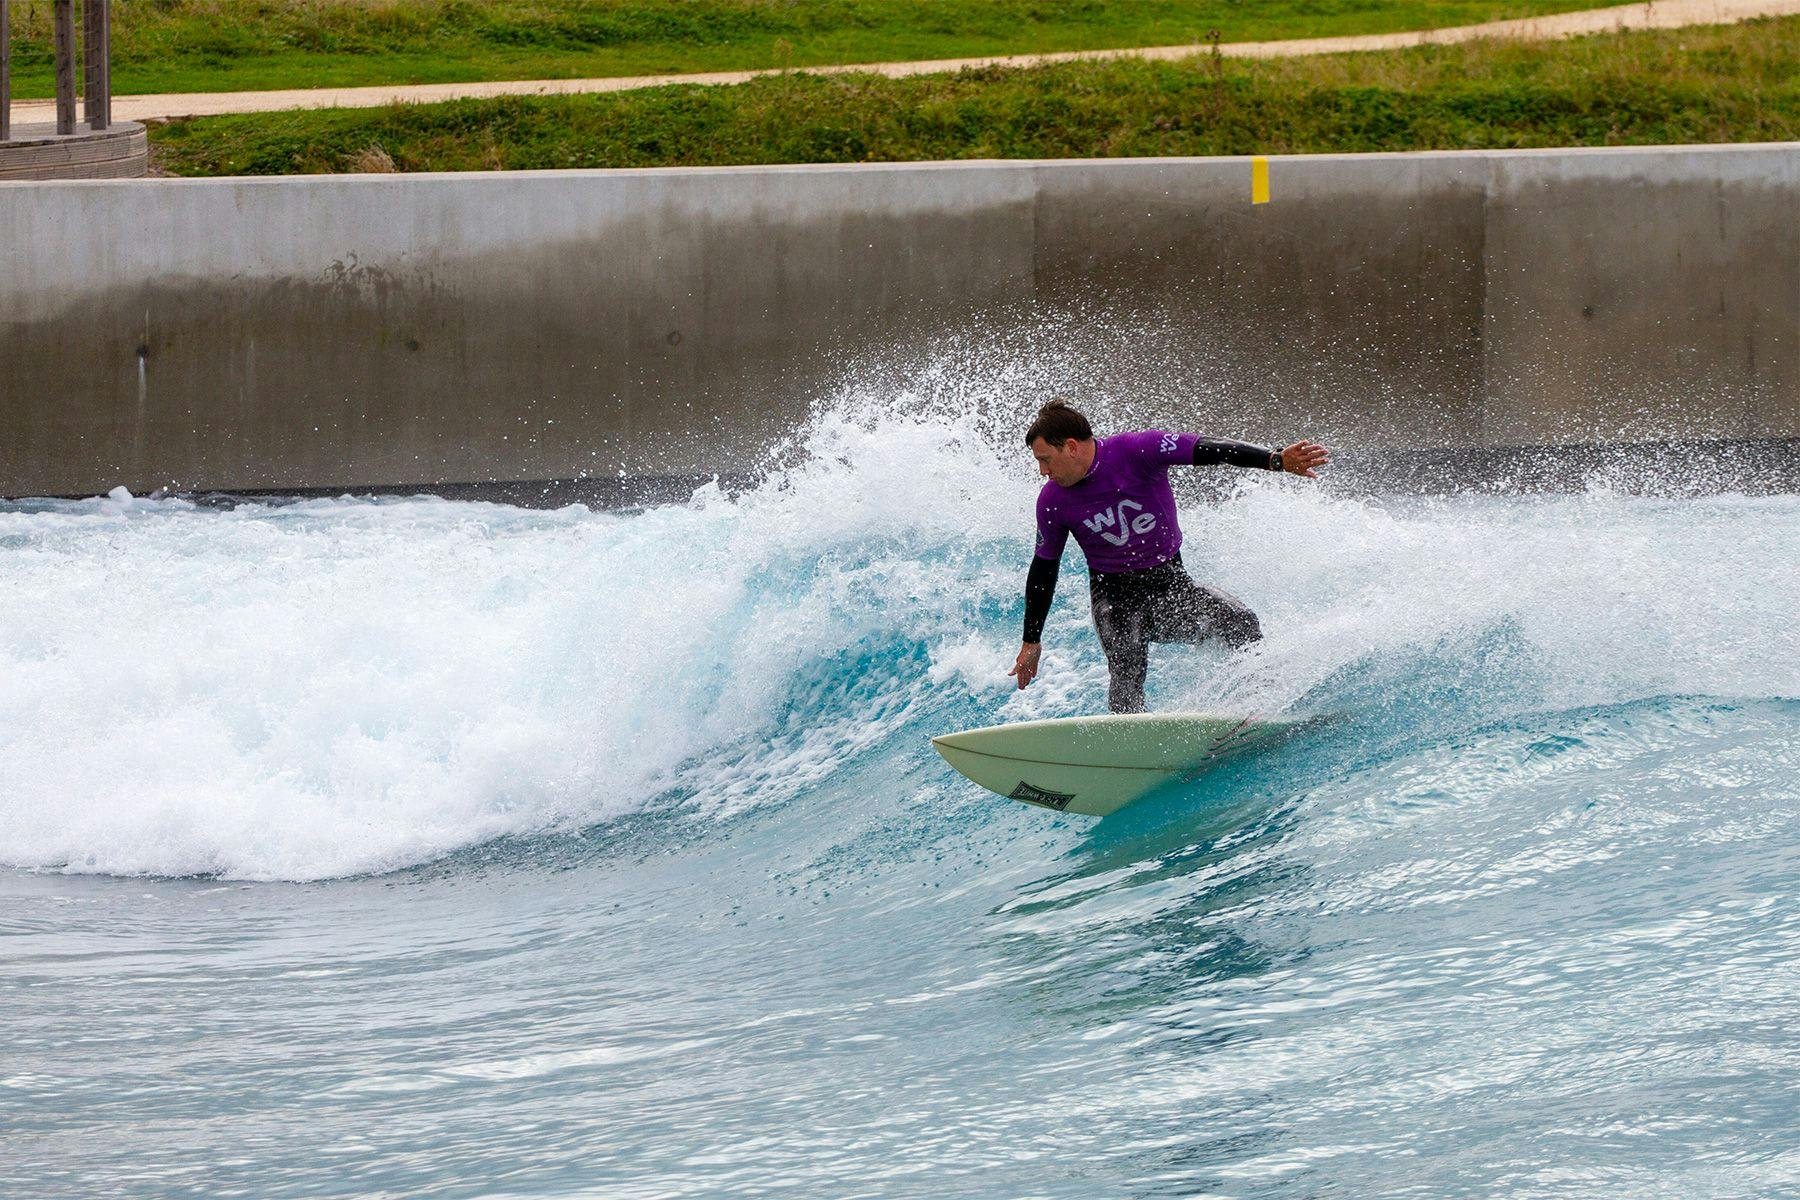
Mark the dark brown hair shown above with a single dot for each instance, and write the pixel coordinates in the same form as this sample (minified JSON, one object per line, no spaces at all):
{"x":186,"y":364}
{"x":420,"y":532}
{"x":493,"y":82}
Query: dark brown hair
{"x":1057,"y":422}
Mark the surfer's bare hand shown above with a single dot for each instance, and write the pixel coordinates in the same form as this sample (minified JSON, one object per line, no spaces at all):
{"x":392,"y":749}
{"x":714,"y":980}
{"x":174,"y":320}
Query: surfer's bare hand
{"x":1025,"y":668}
{"x":1304,"y":458}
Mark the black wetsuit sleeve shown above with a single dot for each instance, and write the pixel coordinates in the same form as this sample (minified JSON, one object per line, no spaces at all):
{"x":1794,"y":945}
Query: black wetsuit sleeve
{"x":1211,"y":451}
{"x":1040,"y":589}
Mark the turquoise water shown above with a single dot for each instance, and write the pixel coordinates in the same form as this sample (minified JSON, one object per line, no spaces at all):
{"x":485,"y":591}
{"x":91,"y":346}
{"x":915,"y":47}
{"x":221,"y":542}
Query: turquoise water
{"x":448,"y":849}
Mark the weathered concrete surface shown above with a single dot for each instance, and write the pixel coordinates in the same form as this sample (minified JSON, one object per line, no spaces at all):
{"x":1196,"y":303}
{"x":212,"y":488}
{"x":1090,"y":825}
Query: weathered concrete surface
{"x":347,"y":331}
{"x":436,"y":329}
{"x":1351,"y":305}
{"x":1635,"y":294}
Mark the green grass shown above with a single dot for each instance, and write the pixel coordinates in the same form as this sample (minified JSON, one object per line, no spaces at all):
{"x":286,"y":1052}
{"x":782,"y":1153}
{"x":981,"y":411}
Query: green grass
{"x":245,"y":45}
{"x":1721,"y":84}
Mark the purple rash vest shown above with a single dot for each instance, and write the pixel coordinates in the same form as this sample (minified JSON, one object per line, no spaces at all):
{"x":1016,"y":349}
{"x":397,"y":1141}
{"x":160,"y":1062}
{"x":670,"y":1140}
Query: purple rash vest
{"x":1122,"y":513}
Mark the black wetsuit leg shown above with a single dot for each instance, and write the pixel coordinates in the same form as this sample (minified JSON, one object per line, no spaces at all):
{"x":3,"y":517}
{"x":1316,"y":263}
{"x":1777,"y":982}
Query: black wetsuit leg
{"x":1160,"y":604}
{"x":1122,"y":619}
{"x":1192,"y":612}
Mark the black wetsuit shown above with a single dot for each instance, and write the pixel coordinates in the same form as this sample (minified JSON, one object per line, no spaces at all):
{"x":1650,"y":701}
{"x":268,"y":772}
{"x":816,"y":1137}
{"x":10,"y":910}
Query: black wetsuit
{"x":1158,"y":604}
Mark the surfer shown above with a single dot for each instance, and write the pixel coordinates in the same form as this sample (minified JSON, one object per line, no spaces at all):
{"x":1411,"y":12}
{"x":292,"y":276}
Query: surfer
{"x":1113,"y":494}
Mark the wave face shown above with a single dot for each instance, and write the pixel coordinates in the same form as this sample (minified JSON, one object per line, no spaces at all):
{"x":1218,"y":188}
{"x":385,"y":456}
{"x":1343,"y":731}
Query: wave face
{"x":640,"y":878}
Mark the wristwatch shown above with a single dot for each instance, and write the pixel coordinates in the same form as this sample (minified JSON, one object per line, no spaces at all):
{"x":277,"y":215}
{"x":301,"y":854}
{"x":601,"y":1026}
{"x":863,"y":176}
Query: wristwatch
{"x":1275,"y":461}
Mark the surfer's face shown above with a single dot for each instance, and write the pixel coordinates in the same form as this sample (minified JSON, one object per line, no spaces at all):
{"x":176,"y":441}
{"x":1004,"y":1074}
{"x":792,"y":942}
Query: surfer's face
{"x":1066,"y":463}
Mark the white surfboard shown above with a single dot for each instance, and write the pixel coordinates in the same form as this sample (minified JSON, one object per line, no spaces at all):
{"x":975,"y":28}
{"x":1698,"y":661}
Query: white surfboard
{"x":1097,"y":765}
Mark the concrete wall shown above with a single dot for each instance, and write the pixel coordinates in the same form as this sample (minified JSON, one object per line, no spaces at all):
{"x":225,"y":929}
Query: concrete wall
{"x":346,"y":331}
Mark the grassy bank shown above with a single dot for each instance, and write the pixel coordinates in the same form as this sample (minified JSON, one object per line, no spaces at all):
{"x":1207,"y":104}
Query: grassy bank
{"x":233,"y":45}
{"x":1718,"y":84}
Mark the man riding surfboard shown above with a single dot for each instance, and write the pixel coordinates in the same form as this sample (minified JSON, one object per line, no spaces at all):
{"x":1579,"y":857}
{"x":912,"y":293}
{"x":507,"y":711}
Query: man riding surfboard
{"x":1113,"y":494}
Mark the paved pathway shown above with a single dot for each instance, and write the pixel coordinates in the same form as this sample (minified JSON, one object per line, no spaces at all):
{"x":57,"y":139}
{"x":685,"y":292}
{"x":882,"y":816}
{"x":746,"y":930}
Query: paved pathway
{"x":1659,"y":14}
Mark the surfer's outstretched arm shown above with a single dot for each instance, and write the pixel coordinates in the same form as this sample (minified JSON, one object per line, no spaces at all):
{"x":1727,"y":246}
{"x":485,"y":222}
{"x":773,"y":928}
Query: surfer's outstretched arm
{"x":1302,"y":458}
{"x":1040,"y":589}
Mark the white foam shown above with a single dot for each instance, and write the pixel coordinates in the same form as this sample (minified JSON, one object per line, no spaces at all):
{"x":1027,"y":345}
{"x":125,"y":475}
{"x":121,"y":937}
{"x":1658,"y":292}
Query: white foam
{"x":342,"y":686}
{"x":1616,"y":597}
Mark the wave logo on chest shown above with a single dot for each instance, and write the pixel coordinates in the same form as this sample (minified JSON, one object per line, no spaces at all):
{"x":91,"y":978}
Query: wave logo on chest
{"x":1119,"y":517}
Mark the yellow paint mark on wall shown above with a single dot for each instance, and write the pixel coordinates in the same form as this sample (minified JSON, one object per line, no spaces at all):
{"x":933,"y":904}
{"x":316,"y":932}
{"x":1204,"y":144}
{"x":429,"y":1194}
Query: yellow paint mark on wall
{"x":1259,"y":180}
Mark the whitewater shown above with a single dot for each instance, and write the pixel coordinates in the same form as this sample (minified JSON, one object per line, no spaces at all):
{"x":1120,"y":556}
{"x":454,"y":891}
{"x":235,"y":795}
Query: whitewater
{"x":408,"y":846}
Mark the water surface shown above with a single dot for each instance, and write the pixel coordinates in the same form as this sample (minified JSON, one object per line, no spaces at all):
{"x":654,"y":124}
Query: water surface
{"x":410,"y":847}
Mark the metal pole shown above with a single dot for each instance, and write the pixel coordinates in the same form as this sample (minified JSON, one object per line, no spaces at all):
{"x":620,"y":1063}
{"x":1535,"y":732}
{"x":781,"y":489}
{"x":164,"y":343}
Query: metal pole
{"x":65,"y":66}
{"x":90,"y":63}
{"x":105,"y":24}
{"x":5,"y":72}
